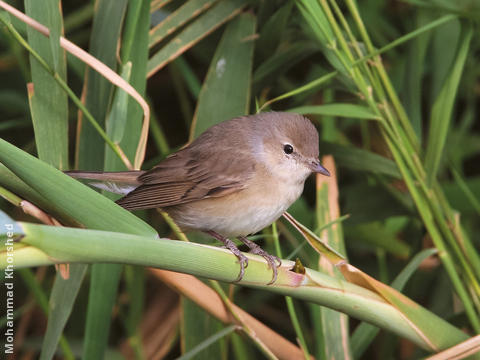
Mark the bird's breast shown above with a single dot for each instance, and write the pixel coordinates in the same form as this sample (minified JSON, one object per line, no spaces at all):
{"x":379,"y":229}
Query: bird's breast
{"x":245,"y":212}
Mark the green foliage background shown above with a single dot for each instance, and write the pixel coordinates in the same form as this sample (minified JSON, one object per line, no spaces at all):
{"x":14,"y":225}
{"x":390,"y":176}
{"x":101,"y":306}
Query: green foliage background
{"x":402,"y":127}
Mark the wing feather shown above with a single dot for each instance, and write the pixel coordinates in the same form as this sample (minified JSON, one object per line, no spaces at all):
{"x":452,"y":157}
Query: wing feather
{"x":196,"y":172}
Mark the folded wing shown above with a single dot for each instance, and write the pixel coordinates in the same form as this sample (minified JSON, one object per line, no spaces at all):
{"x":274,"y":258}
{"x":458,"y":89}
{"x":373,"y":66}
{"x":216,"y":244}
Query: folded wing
{"x":189,"y":175}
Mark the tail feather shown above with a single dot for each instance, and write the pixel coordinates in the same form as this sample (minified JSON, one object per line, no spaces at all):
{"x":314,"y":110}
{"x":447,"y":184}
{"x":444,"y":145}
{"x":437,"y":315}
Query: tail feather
{"x":121,"y":182}
{"x":120,"y":176}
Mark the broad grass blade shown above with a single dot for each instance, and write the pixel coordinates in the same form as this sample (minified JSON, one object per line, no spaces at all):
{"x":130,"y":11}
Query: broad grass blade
{"x":334,"y":324}
{"x":48,"y":102}
{"x":185,"y":13}
{"x":228,"y":77}
{"x":200,"y":28}
{"x":443,"y":107}
{"x":365,"y":333}
{"x":107,"y":23}
{"x":341,"y":110}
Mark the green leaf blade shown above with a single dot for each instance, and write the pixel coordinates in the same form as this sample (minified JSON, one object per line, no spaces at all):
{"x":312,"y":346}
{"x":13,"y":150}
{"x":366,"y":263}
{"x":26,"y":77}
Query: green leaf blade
{"x":341,"y":110}
{"x":207,"y":23}
{"x":48,"y":102}
{"x":443,"y":107}
{"x":228,"y":77}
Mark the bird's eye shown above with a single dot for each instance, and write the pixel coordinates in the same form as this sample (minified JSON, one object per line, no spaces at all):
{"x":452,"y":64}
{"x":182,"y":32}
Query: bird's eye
{"x":288,"y":149}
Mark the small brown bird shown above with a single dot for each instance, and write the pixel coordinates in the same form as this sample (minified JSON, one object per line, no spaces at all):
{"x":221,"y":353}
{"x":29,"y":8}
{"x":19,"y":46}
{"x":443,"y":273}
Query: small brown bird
{"x":235,"y":179}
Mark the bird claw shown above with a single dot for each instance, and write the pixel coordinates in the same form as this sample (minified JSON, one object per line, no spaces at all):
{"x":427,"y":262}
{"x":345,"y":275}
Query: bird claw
{"x":230,"y":245}
{"x":271,"y":259}
{"x":243,"y":260}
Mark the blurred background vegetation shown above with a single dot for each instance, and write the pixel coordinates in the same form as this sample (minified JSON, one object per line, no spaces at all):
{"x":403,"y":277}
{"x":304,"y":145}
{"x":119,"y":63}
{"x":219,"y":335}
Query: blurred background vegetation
{"x":404,"y":133}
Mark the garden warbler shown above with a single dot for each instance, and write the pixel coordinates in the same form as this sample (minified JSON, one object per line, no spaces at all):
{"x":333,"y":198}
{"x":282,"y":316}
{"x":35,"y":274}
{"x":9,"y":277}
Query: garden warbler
{"x":235,"y":179}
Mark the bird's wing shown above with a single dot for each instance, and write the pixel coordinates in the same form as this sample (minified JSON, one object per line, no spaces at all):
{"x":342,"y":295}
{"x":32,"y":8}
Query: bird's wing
{"x":190,"y":175}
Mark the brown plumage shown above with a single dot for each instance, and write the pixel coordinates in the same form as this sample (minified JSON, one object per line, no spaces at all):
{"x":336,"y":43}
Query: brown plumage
{"x":235,"y":179}
{"x":200,"y":171}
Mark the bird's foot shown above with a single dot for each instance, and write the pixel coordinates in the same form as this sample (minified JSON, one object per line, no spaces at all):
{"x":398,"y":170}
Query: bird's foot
{"x":271,"y":259}
{"x":230,"y":245}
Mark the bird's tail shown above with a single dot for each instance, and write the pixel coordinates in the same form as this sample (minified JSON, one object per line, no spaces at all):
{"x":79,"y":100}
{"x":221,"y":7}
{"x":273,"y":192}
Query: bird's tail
{"x":121,"y":182}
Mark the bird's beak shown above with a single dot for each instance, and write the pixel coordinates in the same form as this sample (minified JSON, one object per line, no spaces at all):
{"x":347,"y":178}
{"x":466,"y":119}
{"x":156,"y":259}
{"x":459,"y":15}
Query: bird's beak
{"x":315,"y":166}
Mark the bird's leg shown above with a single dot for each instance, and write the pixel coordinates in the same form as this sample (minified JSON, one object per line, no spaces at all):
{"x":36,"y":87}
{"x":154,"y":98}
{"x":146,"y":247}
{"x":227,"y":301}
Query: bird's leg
{"x":230,"y":245}
{"x":271,"y":259}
